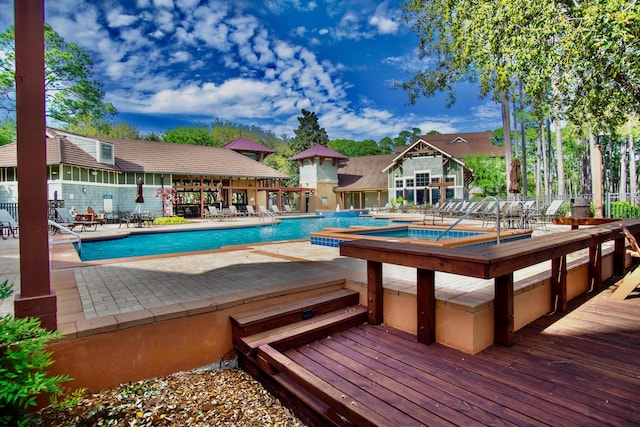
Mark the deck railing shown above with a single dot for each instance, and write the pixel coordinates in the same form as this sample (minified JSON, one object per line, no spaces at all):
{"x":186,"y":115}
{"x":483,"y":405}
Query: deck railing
{"x":497,"y":262}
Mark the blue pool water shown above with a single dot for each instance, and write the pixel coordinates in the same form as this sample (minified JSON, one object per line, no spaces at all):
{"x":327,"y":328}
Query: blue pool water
{"x":420,"y":233}
{"x":198,"y":240}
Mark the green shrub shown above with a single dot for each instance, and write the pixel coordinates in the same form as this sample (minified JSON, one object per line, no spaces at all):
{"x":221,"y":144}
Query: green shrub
{"x":169,"y":220}
{"x":624,"y":210}
{"x":23,"y":360}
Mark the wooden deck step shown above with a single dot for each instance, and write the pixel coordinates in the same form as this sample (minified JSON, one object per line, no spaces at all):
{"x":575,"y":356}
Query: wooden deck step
{"x":340,"y":409}
{"x":304,"y":331}
{"x":253,"y":323}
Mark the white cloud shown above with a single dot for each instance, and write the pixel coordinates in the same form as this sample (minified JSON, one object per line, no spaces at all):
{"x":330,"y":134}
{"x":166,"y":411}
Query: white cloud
{"x":180,"y":56}
{"x":385,"y":22}
{"x":163,"y":3}
{"x":118,"y":19}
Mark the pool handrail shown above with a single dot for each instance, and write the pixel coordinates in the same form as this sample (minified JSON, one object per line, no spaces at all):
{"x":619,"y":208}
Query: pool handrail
{"x":264,"y":212}
{"x":62,"y":228}
{"x":475,"y":209}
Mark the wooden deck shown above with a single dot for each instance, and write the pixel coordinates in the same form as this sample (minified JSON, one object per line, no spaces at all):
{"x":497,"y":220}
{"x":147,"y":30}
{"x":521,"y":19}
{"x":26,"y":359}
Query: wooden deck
{"x":576,"y":368}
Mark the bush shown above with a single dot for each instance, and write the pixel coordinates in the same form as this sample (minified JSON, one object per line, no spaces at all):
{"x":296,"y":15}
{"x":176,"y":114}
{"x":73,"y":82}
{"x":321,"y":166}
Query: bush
{"x":624,"y":210}
{"x":23,"y":360}
{"x":169,"y":220}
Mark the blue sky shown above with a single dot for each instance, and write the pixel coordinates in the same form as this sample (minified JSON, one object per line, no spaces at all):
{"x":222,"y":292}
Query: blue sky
{"x":169,"y":62}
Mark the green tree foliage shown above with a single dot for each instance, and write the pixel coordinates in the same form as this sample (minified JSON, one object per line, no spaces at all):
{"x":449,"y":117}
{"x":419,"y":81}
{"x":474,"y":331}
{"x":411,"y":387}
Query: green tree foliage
{"x":7,"y":131}
{"x":71,"y":91}
{"x":489,"y":176}
{"x":308,"y":133}
{"x":23,"y":361}
{"x":351,"y":148}
{"x":88,"y":125}
{"x":196,"y":135}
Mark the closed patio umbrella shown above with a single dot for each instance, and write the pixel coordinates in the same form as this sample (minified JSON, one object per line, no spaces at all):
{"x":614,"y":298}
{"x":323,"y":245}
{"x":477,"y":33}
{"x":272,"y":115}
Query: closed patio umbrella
{"x":514,"y":186}
{"x":139,"y":197}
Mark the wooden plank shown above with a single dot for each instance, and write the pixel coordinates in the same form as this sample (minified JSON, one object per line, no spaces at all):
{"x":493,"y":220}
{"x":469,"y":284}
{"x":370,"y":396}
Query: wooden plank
{"x":302,"y":332}
{"x":265,"y":319}
{"x":426,"y":304}
{"x":559,"y":283}
{"x":343,"y":404}
{"x":595,"y":267}
{"x":627,"y":285}
{"x":385,"y":400}
{"x":436,"y":381}
{"x":485,"y":380}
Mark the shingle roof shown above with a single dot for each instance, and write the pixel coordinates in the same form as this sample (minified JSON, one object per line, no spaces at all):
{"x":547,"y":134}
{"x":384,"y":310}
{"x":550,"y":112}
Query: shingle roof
{"x":363,"y":173}
{"x":59,"y":150}
{"x":165,"y":157}
{"x":459,"y":145}
{"x":241,"y":144}
{"x":318,"y":150}
{"x":152,"y":157}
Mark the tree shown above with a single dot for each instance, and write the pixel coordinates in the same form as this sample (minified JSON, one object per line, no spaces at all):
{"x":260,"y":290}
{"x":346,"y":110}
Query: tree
{"x":308,"y":133}
{"x":578,"y":60}
{"x":351,"y":148}
{"x":487,"y":174}
{"x":7,"y":131}
{"x":88,"y":125}
{"x":70,"y":90}
{"x":196,"y":135}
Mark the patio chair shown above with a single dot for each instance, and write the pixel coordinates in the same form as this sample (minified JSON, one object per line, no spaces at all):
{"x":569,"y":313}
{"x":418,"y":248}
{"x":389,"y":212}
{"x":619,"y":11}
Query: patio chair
{"x":213,"y":212}
{"x":288,"y":210}
{"x":550,"y":213}
{"x":251,"y":211}
{"x":98,"y":216}
{"x":64,"y":217}
{"x":8,"y":224}
{"x":275,"y":210}
{"x":234,"y":212}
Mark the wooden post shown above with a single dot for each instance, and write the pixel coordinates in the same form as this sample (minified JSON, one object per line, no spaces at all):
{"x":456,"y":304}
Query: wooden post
{"x":559,"y":283}
{"x":374,"y":292}
{"x":619,"y":252}
{"x":426,"y":303}
{"x":503,"y":327}
{"x":36,"y":299}
{"x":595,"y":267}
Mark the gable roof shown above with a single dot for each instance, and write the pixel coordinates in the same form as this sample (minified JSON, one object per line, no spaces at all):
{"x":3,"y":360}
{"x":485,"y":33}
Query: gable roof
{"x":318,"y":150}
{"x":364,"y":173}
{"x":244,"y":144}
{"x":459,"y":145}
{"x":454,"y":146}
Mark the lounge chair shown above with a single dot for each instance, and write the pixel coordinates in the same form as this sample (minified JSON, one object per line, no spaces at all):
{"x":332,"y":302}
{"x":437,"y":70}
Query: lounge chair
{"x":275,"y":210}
{"x":551,"y":212}
{"x":251,"y":211}
{"x":213,"y":212}
{"x":9,"y":224}
{"x":288,"y":210}
{"x":234,"y":212}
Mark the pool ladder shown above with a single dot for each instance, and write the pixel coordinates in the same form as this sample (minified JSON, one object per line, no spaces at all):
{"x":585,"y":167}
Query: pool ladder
{"x":64,"y":229}
{"x":474,"y":210}
{"x":267,"y":214}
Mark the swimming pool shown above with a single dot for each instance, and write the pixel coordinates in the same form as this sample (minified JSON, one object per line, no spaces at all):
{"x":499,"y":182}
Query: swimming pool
{"x":161,"y":243}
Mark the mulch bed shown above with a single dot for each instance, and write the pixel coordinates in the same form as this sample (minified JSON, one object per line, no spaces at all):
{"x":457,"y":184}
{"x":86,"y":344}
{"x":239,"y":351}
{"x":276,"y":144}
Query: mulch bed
{"x":224,"y":397}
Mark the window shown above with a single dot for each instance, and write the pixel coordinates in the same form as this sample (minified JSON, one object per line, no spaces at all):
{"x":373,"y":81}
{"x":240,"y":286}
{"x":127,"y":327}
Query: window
{"x":450,"y":179}
{"x":409,"y":183}
{"x":422,"y":179}
{"x":398,"y":183}
{"x":106,"y":153}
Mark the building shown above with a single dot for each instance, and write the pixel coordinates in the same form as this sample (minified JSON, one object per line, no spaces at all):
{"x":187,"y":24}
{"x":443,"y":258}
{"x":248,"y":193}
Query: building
{"x":428,"y":171}
{"x":103,"y":173}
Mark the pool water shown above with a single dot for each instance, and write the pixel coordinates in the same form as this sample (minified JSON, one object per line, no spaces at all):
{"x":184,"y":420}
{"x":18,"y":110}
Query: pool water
{"x":420,"y":233}
{"x":198,"y":240}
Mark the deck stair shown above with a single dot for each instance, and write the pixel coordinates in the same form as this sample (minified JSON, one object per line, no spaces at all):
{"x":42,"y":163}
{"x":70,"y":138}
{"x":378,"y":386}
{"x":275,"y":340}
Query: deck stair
{"x":262,"y":338}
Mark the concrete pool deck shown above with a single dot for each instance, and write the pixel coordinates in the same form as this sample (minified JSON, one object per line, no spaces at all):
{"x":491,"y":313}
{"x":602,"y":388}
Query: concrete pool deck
{"x":94,"y":294}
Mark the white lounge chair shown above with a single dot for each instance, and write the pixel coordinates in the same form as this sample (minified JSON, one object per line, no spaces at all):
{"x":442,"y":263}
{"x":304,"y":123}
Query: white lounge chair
{"x":251,"y":211}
